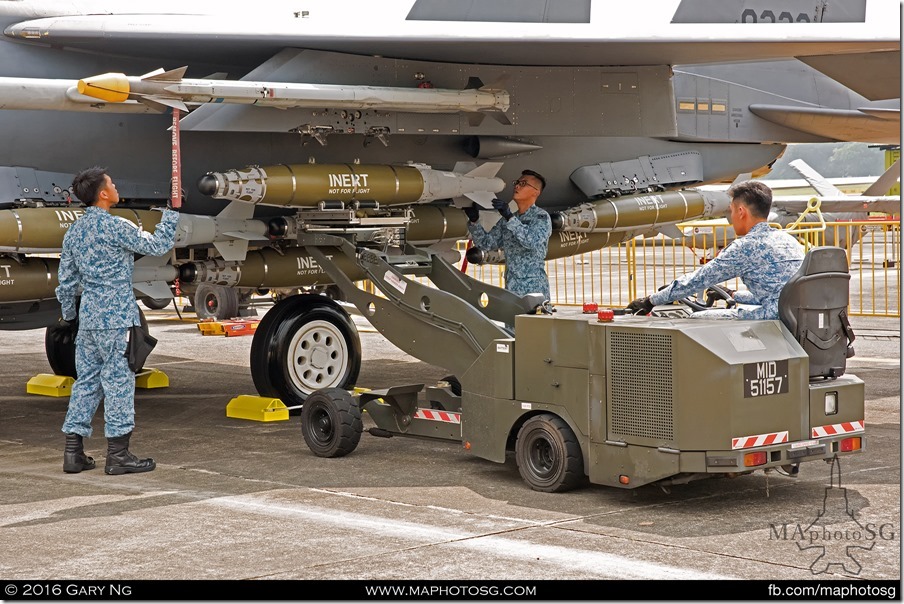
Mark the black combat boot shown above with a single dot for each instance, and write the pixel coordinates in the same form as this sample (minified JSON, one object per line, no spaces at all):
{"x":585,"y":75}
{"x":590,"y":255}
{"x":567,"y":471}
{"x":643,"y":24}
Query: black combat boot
{"x":74,"y":458}
{"x":121,"y":461}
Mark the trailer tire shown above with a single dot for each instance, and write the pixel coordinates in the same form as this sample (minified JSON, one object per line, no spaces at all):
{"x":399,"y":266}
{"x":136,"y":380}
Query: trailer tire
{"x":549,"y":455}
{"x":303,"y":344}
{"x":216,"y":301}
{"x":331,"y":422}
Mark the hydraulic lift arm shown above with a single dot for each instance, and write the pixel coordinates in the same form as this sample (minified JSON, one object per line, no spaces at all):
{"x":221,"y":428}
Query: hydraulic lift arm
{"x":443,"y":328}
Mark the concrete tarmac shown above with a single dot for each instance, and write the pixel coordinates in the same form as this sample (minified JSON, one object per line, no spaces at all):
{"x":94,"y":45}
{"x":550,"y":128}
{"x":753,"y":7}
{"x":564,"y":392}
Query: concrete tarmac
{"x":240,"y":499}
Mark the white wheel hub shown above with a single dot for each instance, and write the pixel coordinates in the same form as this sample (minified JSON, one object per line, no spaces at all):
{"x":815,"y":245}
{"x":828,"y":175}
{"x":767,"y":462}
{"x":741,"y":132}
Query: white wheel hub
{"x":318,"y":356}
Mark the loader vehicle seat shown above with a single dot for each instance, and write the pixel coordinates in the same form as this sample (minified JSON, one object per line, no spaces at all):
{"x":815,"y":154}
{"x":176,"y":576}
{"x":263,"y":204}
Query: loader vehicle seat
{"x":813,"y":306}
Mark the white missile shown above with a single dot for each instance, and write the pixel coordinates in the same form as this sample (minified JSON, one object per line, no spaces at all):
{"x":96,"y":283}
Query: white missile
{"x":60,"y":95}
{"x":171,"y":89}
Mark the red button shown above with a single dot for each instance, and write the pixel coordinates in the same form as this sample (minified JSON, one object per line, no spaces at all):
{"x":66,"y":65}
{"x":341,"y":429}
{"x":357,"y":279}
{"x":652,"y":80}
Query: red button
{"x":606,"y":315}
{"x":591,"y":307}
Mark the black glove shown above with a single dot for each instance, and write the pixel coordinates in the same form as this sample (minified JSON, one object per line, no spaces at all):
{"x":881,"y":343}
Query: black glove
{"x":640,"y":306}
{"x":503,"y":208}
{"x":64,"y":332}
{"x":472,"y":212}
{"x":718,"y":293}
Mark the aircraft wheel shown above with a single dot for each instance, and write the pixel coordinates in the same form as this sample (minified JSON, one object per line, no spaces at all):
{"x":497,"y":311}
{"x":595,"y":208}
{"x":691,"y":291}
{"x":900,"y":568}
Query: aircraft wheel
{"x":156,"y":303}
{"x":304,"y":343}
{"x":216,"y":302}
{"x":548,"y":454}
{"x":331,"y":422}
{"x":59,"y":346}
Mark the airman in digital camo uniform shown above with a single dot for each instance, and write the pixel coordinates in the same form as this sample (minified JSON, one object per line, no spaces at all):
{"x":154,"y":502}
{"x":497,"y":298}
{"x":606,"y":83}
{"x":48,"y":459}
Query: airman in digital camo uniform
{"x":523,"y":237}
{"x":96,"y":264}
{"x":763,"y":257}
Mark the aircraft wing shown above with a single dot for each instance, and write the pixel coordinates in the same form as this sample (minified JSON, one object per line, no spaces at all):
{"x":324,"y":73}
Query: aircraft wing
{"x":855,"y":125}
{"x":578,"y":32}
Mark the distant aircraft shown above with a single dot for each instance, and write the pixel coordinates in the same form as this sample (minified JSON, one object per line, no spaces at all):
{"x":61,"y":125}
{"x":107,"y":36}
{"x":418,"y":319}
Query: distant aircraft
{"x":621,"y":106}
{"x":834,"y":206}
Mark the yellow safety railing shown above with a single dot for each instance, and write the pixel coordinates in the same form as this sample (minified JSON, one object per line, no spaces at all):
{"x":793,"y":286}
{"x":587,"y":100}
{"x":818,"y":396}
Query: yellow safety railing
{"x":613,"y":276}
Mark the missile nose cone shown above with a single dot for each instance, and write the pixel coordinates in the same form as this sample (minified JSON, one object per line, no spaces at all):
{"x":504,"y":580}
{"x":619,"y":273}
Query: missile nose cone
{"x":277,"y":228}
{"x":111,"y":87}
{"x":188,"y":273}
{"x":558,"y":221}
{"x":474,"y":255}
{"x":207,"y":185}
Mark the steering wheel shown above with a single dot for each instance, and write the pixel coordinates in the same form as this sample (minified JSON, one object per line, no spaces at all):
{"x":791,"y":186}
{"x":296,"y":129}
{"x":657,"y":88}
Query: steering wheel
{"x":712,"y":293}
{"x":715,"y":292}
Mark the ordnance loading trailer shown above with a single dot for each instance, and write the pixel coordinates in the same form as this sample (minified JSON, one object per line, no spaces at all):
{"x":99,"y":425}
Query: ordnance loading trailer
{"x":624,"y":403}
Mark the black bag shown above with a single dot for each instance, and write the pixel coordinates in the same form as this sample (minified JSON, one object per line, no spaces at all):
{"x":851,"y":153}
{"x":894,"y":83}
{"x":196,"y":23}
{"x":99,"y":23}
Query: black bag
{"x":141,"y":343}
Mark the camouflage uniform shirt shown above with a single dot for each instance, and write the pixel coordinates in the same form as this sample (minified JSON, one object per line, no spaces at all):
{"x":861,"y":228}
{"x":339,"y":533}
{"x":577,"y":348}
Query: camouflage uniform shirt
{"x":765,"y":259}
{"x":524,"y":239}
{"x":98,"y":255}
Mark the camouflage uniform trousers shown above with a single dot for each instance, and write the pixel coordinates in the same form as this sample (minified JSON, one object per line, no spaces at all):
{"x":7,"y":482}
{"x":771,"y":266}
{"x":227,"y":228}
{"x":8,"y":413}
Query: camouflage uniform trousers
{"x":103,"y":374}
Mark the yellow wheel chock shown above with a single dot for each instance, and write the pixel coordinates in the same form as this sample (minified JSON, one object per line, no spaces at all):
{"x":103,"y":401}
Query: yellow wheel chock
{"x":257,"y":408}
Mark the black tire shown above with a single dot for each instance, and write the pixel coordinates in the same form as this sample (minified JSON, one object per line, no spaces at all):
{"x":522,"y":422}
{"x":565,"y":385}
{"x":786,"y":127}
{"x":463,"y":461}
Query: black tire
{"x":59,"y":346}
{"x":156,"y":303}
{"x":331,"y":422}
{"x":216,"y":301}
{"x":303,"y":344}
{"x":548,"y":454}
{"x":454,"y":384}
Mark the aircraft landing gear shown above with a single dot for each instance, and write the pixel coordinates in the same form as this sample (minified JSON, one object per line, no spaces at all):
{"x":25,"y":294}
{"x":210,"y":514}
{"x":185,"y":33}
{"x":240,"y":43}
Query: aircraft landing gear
{"x":304,"y":343}
{"x":60,"y":348}
{"x":216,"y":301}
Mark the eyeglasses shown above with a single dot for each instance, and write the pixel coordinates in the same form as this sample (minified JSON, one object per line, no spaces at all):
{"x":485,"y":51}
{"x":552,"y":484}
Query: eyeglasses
{"x":524,"y":183}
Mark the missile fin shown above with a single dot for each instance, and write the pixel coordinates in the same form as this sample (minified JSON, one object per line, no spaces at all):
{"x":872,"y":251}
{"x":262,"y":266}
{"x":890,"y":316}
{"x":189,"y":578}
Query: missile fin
{"x":237,"y":210}
{"x":481,"y":198}
{"x":475,"y":118}
{"x":233,"y":250}
{"x":150,"y":74}
{"x":670,"y":230}
{"x":173,"y":75}
{"x":486,"y":170}
{"x":463,"y":167}
{"x":147,"y":287}
{"x":159,"y":102}
{"x":500,"y":117}
{"x":243,"y":235}
{"x":474,"y":83}
{"x":742,"y":178}
{"x":159,"y":290}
